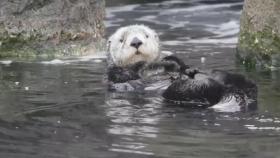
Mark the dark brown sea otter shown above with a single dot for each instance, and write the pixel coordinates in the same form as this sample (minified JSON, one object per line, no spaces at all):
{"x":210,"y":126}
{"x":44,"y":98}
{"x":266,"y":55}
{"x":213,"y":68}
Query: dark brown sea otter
{"x":135,"y":61}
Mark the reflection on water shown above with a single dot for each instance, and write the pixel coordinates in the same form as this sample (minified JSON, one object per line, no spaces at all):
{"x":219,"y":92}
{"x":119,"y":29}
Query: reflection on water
{"x":61,"y":108}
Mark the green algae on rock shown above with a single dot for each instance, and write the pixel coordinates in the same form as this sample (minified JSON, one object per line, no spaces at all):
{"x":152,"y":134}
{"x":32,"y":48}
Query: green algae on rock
{"x":259,"y":38}
{"x":31,"y":29}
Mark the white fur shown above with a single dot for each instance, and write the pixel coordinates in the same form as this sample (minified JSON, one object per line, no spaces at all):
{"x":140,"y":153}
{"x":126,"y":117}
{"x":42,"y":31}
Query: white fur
{"x":122,"y":53}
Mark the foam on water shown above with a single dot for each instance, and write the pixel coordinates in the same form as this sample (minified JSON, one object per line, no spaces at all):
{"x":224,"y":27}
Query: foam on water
{"x":131,"y":151}
{"x":100,"y":57}
{"x":54,"y":62}
{"x":6,"y":62}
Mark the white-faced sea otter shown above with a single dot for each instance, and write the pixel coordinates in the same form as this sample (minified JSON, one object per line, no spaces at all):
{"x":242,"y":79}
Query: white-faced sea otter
{"x":135,"y":61}
{"x":132,"y":44}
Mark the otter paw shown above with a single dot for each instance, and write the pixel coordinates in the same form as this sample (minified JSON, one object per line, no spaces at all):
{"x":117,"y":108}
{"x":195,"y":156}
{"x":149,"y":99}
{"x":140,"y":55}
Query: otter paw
{"x":191,"y":72}
{"x":121,"y":87}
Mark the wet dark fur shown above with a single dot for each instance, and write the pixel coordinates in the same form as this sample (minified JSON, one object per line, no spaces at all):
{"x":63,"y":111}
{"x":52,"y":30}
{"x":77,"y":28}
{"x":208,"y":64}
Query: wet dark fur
{"x":191,"y":86}
{"x":117,"y":74}
{"x":212,"y":87}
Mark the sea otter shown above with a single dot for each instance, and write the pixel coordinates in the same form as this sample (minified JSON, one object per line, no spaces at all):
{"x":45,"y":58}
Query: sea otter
{"x":132,"y":44}
{"x":135,"y":61}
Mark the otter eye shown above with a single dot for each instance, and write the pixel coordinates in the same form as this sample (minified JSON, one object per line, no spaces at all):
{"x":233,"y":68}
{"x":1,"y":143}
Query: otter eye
{"x":121,"y":40}
{"x":147,"y":36}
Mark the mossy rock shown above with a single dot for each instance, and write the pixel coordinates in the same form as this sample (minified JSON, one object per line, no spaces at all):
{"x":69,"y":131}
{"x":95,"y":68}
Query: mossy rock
{"x":259,"y":48}
{"x":51,"y":29}
{"x":259,"y":38}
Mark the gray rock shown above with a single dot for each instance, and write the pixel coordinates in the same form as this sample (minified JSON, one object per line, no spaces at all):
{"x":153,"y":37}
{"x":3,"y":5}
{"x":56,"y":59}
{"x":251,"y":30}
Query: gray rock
{"x":259,"y":39}
{"x":48,"y":28}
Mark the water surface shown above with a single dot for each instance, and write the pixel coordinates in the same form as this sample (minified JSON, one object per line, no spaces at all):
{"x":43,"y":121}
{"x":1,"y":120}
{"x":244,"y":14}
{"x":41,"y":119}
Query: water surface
{"x":61,"y":109}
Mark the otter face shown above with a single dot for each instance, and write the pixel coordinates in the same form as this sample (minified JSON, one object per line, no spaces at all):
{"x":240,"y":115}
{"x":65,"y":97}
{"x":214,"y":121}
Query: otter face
{"x":132,"y":44}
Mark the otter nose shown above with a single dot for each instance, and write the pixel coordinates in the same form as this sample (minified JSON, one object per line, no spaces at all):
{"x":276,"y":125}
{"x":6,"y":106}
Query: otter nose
{"x":136,"y":42}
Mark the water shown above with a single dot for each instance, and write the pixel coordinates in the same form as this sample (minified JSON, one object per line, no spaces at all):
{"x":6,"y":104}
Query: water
{"x":61,"y":109}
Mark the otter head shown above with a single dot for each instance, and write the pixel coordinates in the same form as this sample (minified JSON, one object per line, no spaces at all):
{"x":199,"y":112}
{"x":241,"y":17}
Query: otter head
{"x":132,"y":44}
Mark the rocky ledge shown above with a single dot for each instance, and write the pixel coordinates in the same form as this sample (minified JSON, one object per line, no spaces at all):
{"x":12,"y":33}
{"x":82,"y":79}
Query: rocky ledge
{"x":51,"y":28}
